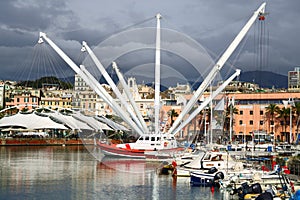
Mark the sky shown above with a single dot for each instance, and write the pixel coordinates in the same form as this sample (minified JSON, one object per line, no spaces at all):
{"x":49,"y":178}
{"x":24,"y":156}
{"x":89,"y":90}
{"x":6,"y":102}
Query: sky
{"x":272,"y":46}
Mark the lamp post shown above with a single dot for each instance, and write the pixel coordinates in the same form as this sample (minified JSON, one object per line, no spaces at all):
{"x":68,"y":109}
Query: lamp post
{"x":244,"y":136}
{"x":231,"y":104}
{"x":292,"y":104}
{"x":274,"y":138}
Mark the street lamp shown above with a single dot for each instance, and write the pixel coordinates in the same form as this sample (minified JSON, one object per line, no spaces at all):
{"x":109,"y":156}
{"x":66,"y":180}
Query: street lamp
{"x":244,"y":140}
{"x":274,"y":138}
{"x":285,"y":103}
{"x":231,"y":104}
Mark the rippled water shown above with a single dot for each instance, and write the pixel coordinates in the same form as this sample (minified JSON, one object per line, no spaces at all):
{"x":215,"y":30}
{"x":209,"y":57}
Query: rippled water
{"x":72,"y":172}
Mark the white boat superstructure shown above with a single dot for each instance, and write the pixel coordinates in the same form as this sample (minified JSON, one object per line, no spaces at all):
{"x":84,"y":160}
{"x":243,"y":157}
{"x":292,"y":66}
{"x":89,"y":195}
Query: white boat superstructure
{"x":207,"y":160}
{"x":152,"y":142}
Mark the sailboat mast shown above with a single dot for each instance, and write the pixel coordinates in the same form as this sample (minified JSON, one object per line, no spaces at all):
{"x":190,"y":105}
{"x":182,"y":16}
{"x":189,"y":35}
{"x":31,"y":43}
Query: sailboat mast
{"x":157,"y":76}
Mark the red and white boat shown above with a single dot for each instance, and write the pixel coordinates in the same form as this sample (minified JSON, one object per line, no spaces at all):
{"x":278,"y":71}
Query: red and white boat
{"x":151,"y":146}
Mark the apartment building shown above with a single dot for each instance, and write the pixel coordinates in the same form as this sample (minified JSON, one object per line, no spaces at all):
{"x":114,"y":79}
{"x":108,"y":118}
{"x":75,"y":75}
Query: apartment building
{"x":294,"y":80}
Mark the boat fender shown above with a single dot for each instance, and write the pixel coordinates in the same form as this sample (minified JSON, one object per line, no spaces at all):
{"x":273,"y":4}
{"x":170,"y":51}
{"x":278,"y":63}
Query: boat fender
{"x":212,"y":170}
{"x":292,"y":186}
{"x":219,"y":176}
{"x":165,"y":144}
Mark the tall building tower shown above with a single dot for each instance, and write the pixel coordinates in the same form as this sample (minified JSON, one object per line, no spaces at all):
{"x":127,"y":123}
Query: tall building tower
{"x":294,"y":80}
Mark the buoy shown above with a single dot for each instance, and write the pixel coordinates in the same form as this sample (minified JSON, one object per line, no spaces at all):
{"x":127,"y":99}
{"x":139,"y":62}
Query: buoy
{"x":212,"y":189}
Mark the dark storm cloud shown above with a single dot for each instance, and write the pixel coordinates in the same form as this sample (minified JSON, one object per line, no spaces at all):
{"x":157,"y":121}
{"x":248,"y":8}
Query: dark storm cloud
{"x":213,"y":24}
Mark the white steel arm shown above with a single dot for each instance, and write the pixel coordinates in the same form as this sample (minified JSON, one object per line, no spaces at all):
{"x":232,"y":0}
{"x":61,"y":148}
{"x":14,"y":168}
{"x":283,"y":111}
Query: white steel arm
{"x":157,"y":77}
{"x":217,"y":67}
{"x":112,"y":85}
{"x":207,"y":101}
{"x":129,"y":96}
{"x":110,"y":101}
{"x":90,"y":81}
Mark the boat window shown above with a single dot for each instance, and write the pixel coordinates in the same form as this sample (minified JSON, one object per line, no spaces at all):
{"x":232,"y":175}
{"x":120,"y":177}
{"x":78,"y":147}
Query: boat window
{"x":207,"y":157}
{"x":152,"y":138}
{"x":158,"y":138}
{"x":141,"y":138}
{"x":217,"y":158}
{"x":147,"y":138}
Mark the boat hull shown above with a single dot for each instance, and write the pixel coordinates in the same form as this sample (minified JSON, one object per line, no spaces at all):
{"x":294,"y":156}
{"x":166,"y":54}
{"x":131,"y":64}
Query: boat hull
{"x":205,"y":180}
{"x":114,"y":151}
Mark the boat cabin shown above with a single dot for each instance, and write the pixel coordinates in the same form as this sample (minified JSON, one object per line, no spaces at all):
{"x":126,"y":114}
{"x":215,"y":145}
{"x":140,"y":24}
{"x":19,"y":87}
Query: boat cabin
{"x":152,"y":142}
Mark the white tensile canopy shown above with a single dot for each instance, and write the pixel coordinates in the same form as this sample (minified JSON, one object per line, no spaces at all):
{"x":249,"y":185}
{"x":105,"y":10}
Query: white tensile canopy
{"x":91,"y":121}
{"x":30,"y":121}
{"x":69,"y":121}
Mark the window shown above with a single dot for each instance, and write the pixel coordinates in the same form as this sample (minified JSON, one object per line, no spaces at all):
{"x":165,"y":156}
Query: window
{"x":261,"y":112}
{"x":241,"y":112}
{"x":261,"y":122}
{"x":251,"y":122}
{"x":251,"y":112}
{"x":272,"y":122}
{"x":241,"y":122}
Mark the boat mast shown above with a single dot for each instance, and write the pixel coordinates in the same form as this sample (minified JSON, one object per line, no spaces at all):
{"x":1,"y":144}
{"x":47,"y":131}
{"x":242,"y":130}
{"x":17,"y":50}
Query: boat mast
{"x":218,"y":66}
{"x":157,"y":76}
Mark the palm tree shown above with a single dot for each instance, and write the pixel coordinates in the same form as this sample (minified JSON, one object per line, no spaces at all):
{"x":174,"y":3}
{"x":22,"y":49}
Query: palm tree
{"x":297,"y":111}
{"x":172,"y":113}
{"x":284,"y":114}
{"x":228,"y":117}
{"x":271,"y":110}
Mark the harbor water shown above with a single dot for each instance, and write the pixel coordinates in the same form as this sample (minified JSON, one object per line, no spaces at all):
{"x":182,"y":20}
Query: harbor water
{"x":74,"y":172}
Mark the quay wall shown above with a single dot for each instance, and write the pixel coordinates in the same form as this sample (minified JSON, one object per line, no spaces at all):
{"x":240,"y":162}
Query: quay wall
{"x":42,"y":141}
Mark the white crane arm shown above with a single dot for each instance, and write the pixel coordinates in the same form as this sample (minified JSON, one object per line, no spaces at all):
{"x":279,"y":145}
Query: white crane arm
{"x":206,"y":102}
{"x":88,"y":79}
{"x":112,"y":85}
{"x":157,"y":77}
{"x":129,"y":96}
{"x":217,"y":67}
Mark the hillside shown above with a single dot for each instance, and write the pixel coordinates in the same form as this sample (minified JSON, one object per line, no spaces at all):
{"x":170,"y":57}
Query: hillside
{"x":265,"y":79}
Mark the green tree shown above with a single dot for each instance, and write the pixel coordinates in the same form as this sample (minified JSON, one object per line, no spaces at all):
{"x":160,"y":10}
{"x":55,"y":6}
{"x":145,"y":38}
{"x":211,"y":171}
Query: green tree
{"x":297,"y":117}
{"x":172,"y":113}
{"x":228,"y":110}
{"x":284,"y":115}
{"x":271,"y":111}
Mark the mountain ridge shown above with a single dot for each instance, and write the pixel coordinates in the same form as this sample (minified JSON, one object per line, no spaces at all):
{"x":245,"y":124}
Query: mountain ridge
{"x":265,"y":79}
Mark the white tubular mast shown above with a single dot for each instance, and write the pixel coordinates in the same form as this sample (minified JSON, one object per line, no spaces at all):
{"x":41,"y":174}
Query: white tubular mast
{"x":112,"y":84}
{"x":207,"y":101}
{"x":91,"y":81}
{"x":157,"y":76}
{"x":129,"y":96}
{"x":218,"y":66}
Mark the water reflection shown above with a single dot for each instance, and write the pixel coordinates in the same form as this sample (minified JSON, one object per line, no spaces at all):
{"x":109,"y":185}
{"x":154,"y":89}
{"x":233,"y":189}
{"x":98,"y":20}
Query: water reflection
{"x":73,"y":173}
